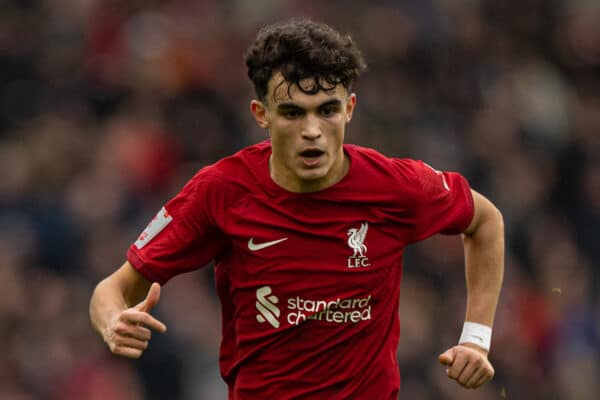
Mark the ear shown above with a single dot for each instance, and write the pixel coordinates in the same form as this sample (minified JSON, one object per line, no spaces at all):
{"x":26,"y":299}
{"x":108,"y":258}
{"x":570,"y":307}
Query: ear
{"x":350,"y":104}
{"x":259,"y":110}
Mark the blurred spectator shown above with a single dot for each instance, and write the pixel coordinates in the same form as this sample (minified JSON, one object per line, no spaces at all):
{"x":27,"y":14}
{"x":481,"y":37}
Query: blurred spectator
{"x":107,"y":108}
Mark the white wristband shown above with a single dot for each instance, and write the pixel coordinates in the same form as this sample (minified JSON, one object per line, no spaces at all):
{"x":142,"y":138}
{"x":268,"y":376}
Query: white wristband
{"x":478,"y":334}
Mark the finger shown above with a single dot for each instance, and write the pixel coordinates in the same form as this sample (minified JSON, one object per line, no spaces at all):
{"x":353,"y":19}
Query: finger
{"x":127,"y":352}
{"x":487,"y":376}
{"x":143,"y":318}
{"x":129,"y":342}
{"x":140,"y":333}
{"x":447,"y":357}
{"x":151,"y":299}
{"x":471,"y":370}
{"x":457,"y":367}
{"x":475,"y":378}
{"x":150,"y":322}
{"x":133,"y":330}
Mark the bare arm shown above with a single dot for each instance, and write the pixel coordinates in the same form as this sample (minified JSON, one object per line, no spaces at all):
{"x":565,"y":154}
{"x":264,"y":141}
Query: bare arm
{"x":484,"y":261}
{"x":483,"y":242}
{"x":119,"y":311}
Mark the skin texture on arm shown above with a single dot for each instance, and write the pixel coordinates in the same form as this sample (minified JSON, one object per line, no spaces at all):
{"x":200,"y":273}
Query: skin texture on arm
{"x":119,"y":311}
{"x":484,"y":261}
{"x":483,"y":242}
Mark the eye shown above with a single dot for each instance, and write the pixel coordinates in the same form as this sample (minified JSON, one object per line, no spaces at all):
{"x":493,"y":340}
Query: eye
{"x":291,"y":113}
{"x":329,"y":111}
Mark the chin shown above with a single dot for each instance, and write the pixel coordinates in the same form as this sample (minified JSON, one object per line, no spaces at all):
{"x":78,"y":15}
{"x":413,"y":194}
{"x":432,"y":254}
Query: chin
{"x":312,"y":174}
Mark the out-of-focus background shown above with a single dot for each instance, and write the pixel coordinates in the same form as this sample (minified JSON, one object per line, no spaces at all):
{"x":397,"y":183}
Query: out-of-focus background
{"x":107,"y":107}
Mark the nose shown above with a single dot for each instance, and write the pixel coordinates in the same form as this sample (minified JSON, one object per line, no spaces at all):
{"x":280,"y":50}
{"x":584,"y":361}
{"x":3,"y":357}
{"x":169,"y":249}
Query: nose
{"x":311,"y":129}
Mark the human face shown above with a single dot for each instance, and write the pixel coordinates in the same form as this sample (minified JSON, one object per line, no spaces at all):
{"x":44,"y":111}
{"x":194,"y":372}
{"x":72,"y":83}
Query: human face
{"x":307,"y":134}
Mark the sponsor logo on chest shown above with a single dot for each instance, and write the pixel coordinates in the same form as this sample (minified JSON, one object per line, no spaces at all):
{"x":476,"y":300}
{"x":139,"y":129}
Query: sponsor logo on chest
{"x":298,"y":309}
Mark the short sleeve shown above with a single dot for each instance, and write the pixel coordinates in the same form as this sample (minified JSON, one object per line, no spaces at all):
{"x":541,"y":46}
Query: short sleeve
{"x":441,"y":201}
{"x":183,"y":236}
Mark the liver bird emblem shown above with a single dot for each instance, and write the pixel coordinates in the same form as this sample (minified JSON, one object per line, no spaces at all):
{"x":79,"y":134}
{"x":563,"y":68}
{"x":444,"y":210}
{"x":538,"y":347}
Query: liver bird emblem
{"x":356,"y":239}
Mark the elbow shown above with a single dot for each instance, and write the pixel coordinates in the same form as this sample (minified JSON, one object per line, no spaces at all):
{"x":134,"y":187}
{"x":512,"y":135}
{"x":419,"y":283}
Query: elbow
{"x":497,"y":218}
{"x":490,"y":227}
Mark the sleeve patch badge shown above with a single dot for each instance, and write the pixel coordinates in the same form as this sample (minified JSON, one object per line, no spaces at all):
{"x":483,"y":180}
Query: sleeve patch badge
{"x":158,"y":223}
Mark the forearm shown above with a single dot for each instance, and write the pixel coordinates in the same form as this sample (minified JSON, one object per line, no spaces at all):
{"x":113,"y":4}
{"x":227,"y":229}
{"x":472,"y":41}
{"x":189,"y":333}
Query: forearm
{"x":483,"y":240}
{"x":484,"y":269}
{"x":119,"y":291}
{"x":106,"y":302}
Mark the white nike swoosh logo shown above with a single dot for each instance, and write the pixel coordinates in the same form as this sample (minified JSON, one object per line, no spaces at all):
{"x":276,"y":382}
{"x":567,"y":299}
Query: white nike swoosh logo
{"x":259,"y":246}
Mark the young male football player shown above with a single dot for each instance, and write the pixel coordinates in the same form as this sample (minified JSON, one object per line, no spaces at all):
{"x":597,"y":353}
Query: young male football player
{"x":307,"y":235}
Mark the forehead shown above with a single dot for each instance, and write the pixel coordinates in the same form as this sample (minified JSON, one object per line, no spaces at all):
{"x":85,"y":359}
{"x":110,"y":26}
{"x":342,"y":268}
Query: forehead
{"x":278,"y":92}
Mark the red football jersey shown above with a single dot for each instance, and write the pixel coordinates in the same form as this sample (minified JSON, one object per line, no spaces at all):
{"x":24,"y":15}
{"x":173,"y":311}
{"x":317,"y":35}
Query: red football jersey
{"x":309,"y":282}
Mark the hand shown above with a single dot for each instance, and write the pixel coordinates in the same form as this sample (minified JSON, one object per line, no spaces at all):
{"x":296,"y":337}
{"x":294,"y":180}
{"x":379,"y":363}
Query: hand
{"x":468,"y":365}
{"x":129,"y":333}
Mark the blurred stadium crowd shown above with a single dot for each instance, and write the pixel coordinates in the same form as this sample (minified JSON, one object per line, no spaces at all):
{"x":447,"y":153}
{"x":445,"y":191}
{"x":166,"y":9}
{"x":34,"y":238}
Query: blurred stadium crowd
{"x":107,"y":107}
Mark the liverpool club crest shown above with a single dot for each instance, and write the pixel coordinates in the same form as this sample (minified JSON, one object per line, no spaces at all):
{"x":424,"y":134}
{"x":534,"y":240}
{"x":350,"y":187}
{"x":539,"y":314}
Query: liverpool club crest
{"x":356,"y":241}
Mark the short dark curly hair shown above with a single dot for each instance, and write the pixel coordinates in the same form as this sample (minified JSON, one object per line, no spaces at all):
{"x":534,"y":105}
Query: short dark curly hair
{"x":301,"y":49}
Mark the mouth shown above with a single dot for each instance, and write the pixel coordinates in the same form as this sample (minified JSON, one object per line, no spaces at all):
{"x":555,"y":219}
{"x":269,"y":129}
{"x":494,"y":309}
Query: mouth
{"x":311,"y":157}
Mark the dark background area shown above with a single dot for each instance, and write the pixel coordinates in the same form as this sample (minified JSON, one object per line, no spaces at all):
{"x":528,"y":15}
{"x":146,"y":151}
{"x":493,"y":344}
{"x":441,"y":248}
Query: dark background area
{"x":108,"y":107}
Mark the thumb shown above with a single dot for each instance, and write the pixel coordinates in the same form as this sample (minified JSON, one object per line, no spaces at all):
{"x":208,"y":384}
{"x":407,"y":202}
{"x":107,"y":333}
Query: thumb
{"x":447,"y":357}
{"x":151,"y":299}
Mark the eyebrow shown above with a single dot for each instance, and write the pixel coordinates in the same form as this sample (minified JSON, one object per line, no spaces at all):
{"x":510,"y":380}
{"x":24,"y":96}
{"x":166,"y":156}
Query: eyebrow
{"x":332,"y":102}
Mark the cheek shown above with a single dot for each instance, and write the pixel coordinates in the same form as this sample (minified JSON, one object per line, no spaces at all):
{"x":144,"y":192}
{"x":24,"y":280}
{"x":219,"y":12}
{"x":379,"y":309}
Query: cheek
{"x":282,"y":138}
{"x":281,"y":126}
{"x":281,"y":133}
{"x":336,"y":128}
{"x":338,"y":121}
